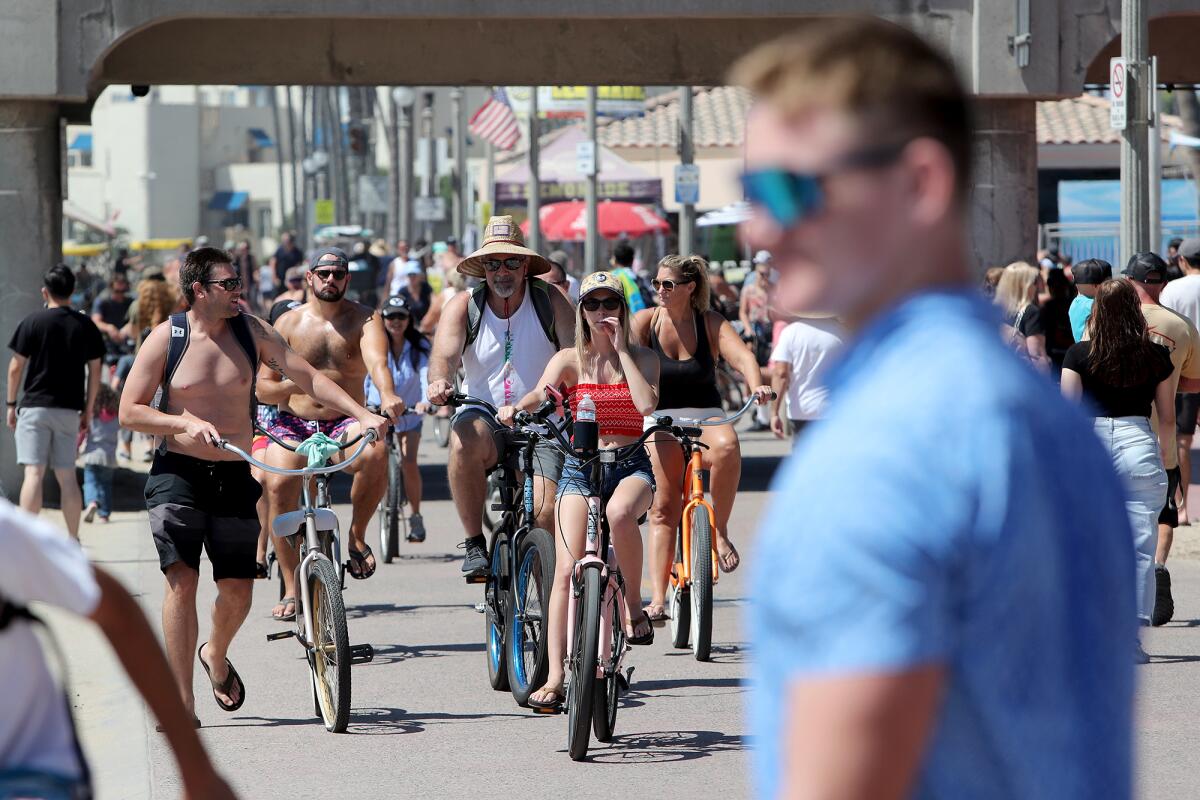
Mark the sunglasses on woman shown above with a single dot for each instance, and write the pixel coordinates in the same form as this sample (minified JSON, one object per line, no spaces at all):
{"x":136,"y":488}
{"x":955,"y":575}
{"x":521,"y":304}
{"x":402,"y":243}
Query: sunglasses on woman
{"x":668,"y":285}
{"x":608,"y":303}
{"x":511,"y":264}
{"x":326,"y":274}
{"x":789,"y":197}
{"x":228,"y":284}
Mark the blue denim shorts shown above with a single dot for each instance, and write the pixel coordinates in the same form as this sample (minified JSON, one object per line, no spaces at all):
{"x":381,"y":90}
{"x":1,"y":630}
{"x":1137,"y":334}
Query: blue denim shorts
{"x":575,"y":475}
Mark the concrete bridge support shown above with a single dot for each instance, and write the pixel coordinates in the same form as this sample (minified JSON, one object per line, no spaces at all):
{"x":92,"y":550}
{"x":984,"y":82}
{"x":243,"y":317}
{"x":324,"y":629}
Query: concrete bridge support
{"x":1004,"y":199}
{"x":30,"y":230}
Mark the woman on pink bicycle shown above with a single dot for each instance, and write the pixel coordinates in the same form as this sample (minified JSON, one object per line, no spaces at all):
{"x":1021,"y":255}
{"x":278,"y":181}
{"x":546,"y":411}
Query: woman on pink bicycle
{"x":622,"y":380}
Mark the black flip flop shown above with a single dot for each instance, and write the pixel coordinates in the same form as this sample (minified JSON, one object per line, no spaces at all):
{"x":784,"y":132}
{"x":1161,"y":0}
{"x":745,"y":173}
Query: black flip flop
{"x":658,"y":617}
{"x":231,"y":680}
{"x":359,"y":557}
{"x":646,"y":638}
{"x":260,"y":571}
{"x":554,"y":705}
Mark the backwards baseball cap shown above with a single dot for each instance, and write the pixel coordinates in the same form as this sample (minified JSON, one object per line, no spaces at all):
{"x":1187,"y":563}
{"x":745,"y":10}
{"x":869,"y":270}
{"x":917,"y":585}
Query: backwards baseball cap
{"x":762,"y":257}
{"x":396,"y":306}
{"x":413,"y":268}
{"x":601,"y":280}
{"x":1091,"y":271}
{"x":1190,"y":249}
{"x":1147,"y":268}
{"x":339,"y":258}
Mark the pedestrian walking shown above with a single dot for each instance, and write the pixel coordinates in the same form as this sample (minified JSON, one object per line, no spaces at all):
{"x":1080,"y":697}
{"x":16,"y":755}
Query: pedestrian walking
{"x":1017,"y":294}
{"x":1124,"y":375}
{"x":58,"y":350}
{"x":1183,"y":296}
{"x":1088,"y":275}
{"x":805,"y":350}
{"x":947,"y":488}
{"x":99,"y":455}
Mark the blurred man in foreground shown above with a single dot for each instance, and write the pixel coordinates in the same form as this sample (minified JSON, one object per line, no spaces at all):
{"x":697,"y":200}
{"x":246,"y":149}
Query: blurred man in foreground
{"x":919,"y":649}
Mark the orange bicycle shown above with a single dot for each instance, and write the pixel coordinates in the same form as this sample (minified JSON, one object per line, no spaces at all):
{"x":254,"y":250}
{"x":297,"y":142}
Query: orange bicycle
{"x":696,"y":571}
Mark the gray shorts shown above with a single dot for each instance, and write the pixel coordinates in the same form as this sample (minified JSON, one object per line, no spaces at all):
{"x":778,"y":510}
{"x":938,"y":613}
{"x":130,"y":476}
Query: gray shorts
{"x":47,"y":436}
{"x":547,"y":459}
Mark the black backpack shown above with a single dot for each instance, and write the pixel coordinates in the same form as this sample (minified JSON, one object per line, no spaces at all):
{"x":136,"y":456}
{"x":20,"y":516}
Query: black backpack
{"x":539,"y":292}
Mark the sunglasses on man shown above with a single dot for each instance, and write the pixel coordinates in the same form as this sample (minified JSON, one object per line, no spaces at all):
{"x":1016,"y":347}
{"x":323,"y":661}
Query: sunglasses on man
{"x":335,"y":274}
{"x":789,"y":197}
{"x":511,"y":264}
{"x":668,"y":285}
{"x":228,"y":284}
{"x":608,"y":304}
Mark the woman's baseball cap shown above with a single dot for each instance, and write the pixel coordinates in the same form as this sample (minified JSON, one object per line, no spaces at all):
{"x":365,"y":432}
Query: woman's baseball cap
{"x":396,"y":306}
{"x":601,"y":280}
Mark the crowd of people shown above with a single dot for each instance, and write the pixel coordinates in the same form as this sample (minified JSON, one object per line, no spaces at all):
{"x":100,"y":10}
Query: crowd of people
{"x":1036,"y":462}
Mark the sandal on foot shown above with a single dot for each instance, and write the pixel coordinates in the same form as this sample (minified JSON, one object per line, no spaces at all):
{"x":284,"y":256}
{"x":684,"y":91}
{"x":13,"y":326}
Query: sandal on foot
{"x":656,"y":614}
{"x":729,"y":560}
{"x":226,"y":686}
{"x":282,"y":616}
{"x":358,"y":558}
{"x":645,"y":638}
{"x":548,"y":705}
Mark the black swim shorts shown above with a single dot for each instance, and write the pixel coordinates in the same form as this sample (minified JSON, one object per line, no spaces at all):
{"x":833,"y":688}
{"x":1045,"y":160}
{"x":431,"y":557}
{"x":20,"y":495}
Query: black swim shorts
{"x":210,"y":504}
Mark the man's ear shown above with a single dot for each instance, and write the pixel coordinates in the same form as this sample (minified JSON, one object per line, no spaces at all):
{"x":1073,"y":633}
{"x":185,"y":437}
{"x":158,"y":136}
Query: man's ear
{"x":933,"y":186}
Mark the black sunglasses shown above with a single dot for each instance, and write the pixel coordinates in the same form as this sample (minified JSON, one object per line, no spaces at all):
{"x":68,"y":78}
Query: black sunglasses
{"x":228,"y":284}
{"x":609,"y":303}
{"x":326,"y":274}
{"x":511,"y":264}
{"x":668,"y":285}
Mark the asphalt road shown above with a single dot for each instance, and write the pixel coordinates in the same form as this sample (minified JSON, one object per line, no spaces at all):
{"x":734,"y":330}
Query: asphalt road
{"x":425,"y":721}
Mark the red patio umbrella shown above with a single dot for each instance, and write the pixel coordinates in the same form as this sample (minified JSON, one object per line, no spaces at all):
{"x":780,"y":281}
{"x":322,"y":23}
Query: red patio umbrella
{"x":567,"y":222}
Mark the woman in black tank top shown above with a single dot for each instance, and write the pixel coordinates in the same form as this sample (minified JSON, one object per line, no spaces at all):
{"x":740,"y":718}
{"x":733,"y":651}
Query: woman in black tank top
{"x":689,"y":338}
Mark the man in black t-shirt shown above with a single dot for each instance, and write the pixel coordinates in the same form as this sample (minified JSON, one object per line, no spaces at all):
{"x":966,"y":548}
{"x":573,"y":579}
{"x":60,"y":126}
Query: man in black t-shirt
{"x":110,"y":312}
{"x":57,"y":345}
{"x":287,"y":255}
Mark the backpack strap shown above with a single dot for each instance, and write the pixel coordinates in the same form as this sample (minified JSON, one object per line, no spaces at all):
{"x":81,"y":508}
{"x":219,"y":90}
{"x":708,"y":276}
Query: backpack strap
{"x":539,"y":292}
{"x":240,"y":326}
{"x":177,"y":345}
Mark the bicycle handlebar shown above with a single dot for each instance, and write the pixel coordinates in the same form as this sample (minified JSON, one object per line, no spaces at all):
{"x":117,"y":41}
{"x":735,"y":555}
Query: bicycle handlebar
{"x":725,"y":420}
{"x":367,"y":438}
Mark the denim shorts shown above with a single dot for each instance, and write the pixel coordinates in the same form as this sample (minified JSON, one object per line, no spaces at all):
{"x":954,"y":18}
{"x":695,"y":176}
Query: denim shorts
{"x":575,"y":475}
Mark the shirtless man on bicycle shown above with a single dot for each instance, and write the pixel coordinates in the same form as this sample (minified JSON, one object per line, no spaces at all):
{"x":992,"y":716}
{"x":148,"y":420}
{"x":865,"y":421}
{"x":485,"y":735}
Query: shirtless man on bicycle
{"x":199,"y":495}
{"x":504,"y":333}
{"x":342,"y":339}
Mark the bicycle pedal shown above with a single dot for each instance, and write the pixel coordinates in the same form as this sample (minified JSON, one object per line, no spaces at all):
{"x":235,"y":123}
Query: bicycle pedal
{"x":274,"y":637}
{"x":361,"y":653}
{"x":626,"y":679}
{"x":481,"y":608}
{"x":476,"y":578}
{"x":548,"y":711}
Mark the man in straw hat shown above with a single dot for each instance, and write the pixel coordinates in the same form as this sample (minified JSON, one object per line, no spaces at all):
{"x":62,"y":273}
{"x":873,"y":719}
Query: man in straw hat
{"x":503,"y":333}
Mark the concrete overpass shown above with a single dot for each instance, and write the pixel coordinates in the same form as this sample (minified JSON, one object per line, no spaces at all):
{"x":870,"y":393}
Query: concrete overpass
{"x":57,"y":55}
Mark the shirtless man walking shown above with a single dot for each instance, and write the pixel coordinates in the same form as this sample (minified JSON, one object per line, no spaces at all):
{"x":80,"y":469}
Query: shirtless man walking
{"x":199,"y":495}
{"x":342,"y":339}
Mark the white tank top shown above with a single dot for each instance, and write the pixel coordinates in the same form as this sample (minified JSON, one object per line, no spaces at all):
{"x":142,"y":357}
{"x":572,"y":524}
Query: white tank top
{"x":500,"y":374}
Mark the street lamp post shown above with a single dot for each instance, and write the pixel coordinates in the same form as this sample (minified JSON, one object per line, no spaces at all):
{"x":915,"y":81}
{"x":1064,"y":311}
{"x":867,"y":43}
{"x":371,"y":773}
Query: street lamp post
{"x":1135,"y":183}
{"x":402,"y":99}
{"x":591,"y":244}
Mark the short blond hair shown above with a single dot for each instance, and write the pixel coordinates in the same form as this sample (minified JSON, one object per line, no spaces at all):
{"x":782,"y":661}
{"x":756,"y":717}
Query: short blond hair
{"x":883,"y":75}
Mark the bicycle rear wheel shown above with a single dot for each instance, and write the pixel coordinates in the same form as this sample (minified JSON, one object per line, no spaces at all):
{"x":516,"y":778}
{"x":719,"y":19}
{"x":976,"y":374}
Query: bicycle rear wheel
{"x":389,"y":513}
{"x":679,"y":602}
{"x":527,"y":660}
{"x":331,"y":646}
{"x":496,"y":604}
{"x":441,"y":430}
{"x":604,"y":709}
{"x":581,"y":692}
{"x":702,"y":584}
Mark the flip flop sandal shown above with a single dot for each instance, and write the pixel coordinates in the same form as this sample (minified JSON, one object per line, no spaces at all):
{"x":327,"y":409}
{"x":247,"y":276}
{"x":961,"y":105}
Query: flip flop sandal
{"x":645,"y":638}
{"x":359,"y":558}
{"x":285,"y":602}
{"x":225,"y":687}
{"x":659,"y":615}
{"x":731,"y":552}
{"x":260,"y":571}
{"x":548,"y":705}
{"x":195,"y":724}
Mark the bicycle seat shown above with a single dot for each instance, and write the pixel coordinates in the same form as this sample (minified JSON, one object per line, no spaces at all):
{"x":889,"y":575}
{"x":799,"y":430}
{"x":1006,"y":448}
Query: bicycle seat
{"x":292,"y":522}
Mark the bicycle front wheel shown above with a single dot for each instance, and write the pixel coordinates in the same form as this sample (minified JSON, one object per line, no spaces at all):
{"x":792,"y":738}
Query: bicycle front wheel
{"x":389,"y":513}
{"x":604,"y":709}
{"x":581,"y":692}
{"x":527,"y":660}
{"x":702,"y":584}
{"x":330,"y":645}
{"x":496,"y":605}
{"x":441,"y":430}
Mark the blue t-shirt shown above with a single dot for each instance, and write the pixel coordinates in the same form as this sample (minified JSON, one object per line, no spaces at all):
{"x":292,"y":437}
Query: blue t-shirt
{"x":411,"y":383}
{"x":1080,"y":310}
{"x":997,"y":545}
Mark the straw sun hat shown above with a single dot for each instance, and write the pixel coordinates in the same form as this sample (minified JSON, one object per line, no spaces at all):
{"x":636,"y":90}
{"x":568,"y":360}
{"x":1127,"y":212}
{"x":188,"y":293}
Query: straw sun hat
{"x":502,"y":237}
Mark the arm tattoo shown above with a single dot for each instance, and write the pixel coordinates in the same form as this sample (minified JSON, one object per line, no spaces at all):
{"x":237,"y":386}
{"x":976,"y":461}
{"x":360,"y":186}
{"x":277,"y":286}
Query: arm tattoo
{"x":275,"y":365}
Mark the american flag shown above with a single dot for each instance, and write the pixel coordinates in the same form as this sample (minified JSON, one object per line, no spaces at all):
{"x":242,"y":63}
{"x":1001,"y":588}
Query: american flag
{"x":496,"y":122}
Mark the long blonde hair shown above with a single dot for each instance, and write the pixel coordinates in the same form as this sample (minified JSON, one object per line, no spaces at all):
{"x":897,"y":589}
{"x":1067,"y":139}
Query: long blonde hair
{"x":583,"y":332}
{"x":695,"y":269}
{"x":1012,"y":292}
